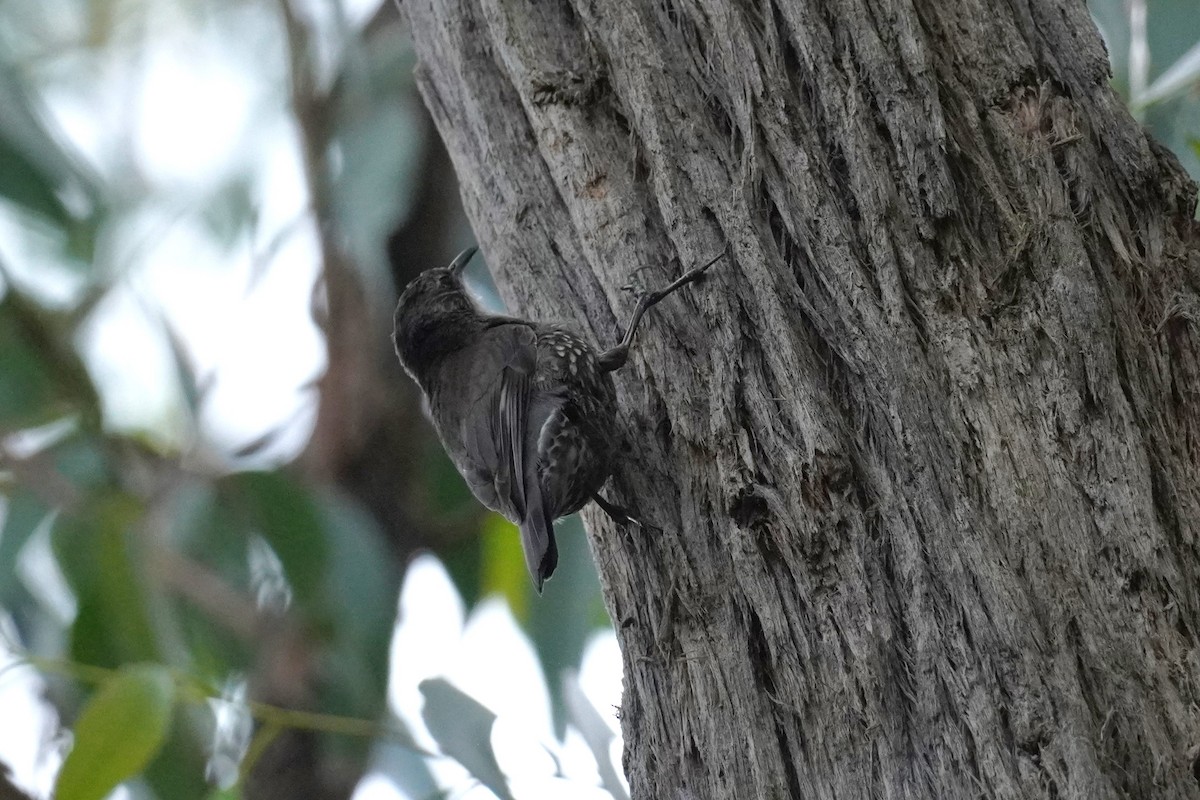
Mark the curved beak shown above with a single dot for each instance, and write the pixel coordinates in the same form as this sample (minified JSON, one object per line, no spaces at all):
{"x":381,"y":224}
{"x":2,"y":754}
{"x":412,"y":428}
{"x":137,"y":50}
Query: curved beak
{"x":460,"y":261}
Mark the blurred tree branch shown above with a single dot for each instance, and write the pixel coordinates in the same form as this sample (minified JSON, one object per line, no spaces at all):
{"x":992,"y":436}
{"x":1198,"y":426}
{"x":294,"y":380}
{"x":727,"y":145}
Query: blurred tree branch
{"x":369,"y":439}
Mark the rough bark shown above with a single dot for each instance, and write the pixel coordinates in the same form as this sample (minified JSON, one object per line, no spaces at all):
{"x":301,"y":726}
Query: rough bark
{"x":924,"y":456}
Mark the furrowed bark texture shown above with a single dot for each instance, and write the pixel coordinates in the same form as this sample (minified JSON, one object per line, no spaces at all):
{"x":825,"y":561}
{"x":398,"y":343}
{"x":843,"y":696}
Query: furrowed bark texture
{"x":924,"y":452}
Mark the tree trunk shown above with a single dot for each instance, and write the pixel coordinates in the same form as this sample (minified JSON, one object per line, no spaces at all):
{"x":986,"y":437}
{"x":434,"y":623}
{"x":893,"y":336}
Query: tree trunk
{"x":924,"y":452}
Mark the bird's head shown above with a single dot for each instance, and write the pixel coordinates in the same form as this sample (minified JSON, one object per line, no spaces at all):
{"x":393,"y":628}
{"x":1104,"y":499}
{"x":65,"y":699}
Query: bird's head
{"x":435,"y":316}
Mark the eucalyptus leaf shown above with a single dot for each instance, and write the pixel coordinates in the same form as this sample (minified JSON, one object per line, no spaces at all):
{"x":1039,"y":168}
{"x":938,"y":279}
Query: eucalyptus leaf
{"x":361,"y":583}
{"x":118,"y":732}
{"x":462,"y":727}
{"x":36,"y":169}
{"x":24,"y":184}
{"x":100,"y":558}
{"x":26,"y":385}
{"x":42,"y":377}
{"x":287,"y":517}
{"x":24,"y":511}
{"x":177,"y":771}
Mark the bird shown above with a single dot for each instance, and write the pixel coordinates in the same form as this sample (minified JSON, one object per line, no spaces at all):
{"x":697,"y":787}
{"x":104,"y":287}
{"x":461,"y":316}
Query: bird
{"x":526,"y":411}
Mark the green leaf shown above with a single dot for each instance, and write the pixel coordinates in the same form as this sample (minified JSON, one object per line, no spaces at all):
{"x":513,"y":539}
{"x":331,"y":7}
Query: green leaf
{"x":118,"y":732}
{"x":42,"y":377}
{"x":177,"y":771}
{"x":26,"y":386}
{"x":96,"y":550}
{"x":210,"y":530}
{"x":22,"y":182}
{"x":361,"y":584}
{"x":35,"y":167}
{"x":23,"y":513}
{"x":287,"y":517}
{"x":462,"y":727}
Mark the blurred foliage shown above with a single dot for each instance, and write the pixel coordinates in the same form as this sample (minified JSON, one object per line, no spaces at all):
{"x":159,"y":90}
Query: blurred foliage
{"x":172,"y":564}
{"x":174,"y":569}
{"x":463,"y":730}
{"x":119,"y":730}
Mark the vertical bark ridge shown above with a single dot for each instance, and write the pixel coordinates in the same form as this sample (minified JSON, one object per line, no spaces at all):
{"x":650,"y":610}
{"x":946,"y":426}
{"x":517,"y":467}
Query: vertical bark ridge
{"x":925,"y":460}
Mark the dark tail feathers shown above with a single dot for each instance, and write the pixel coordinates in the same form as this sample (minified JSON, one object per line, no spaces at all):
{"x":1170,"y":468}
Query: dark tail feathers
{"x":537,"y":540}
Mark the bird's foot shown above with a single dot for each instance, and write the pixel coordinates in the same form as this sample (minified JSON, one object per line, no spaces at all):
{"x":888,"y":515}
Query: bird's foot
{"x":619,"y":515}
{"x":634,"y":284}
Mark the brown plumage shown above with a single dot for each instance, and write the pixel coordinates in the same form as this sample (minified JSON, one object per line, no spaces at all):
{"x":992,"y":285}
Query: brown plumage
{"x":525,"y":410}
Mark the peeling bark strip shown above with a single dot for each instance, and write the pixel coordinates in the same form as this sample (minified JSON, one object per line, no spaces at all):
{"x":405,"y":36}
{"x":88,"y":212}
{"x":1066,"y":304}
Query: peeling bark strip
{"x":925,"y":458}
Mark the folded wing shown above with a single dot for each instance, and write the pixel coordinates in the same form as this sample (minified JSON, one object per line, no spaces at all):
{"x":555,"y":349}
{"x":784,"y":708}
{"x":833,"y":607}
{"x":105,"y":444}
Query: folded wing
{"x":498,"y":452}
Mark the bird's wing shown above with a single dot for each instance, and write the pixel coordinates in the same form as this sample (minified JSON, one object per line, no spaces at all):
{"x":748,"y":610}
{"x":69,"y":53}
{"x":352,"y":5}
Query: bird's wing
{"x":500,"y":465}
